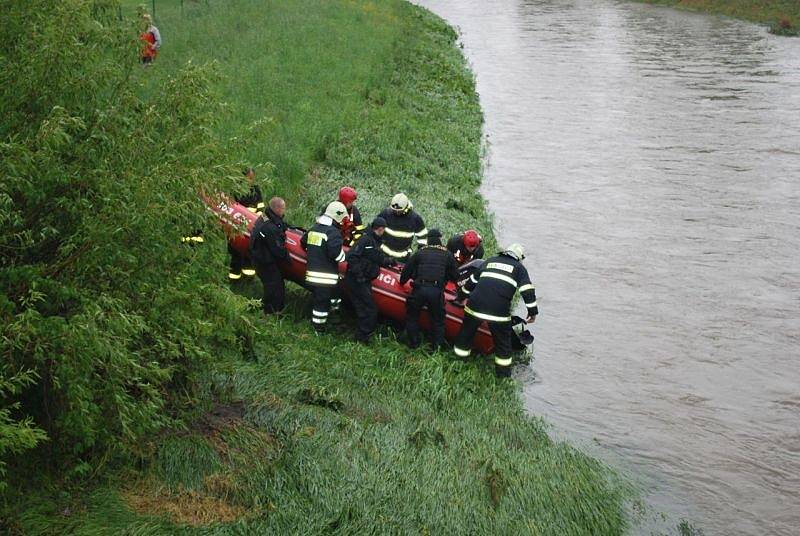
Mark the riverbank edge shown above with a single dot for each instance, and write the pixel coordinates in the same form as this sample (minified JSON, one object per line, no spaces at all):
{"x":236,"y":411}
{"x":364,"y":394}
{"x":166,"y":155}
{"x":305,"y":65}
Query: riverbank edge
{"x":781,"y":17}
{"x":386,"y":437}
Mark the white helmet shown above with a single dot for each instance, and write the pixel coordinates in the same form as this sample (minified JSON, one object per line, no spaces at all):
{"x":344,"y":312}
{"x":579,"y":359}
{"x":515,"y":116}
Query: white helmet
{"x":516,"y":251}
{"x":336,"y":211}
{"x":400,"y":203}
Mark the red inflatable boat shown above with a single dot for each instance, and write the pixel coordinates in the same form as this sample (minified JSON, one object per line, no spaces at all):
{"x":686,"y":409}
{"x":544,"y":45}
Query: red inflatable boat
{"x":390,"y":295}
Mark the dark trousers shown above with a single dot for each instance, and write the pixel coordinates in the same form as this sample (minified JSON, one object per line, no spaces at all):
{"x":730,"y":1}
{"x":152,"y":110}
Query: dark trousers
{"x":502,"y":335}
{"x":239,"y":262}
{"x":274,"y":299}
{"x":431,"y":297}
{"x":323,"y":298}
{"x":364,"y":305}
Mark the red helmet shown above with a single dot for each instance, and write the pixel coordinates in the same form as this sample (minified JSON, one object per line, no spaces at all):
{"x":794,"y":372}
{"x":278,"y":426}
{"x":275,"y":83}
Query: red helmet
{"x":472,"y":239}
{"x":347,"y":195}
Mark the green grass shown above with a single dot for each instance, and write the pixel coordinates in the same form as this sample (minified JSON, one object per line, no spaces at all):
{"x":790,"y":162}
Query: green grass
{"x":295,"y":73}
{"x":338,"y":439}
{"x":327,"y":436}
{"x":782,"y":16}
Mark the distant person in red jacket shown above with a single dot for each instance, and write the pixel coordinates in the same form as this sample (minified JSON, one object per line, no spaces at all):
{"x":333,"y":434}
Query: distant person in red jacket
{"x":151,"y":40}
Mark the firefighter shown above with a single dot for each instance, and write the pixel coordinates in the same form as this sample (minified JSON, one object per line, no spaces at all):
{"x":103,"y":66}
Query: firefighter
{"x":402,"y":226}
{"x":464,"y":273}
{"x":267,"y":248}
{"x":466,"y":247}
{"x":324,"y":246}
{"x":364,"y":263}
{"x":252,"y":199}
{"x":240,"y":265}
{"x":353,"y":231}
{"x":490,"y":292}
{"x":431,"y":267}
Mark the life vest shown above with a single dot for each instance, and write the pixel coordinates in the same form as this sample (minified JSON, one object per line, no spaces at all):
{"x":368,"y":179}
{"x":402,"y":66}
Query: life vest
{"x":432,"y":265}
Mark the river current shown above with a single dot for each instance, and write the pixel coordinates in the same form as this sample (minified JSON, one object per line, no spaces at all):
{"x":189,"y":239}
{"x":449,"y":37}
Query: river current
{"x":649,"y":160}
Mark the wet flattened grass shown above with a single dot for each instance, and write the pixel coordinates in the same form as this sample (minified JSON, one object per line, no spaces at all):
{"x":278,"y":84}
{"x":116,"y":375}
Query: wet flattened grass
{"x":327,"y":435}
{"x":336,"y":437}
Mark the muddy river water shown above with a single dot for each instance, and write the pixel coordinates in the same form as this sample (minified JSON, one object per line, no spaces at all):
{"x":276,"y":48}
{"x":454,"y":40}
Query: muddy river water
{"x":649,"y":160}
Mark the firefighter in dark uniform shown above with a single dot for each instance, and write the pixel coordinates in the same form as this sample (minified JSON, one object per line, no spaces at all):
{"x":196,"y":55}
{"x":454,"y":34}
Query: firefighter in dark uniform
{"x":431,"y":267}
{"x":267,"y":248}
{"x":364,"y":263}
{"x":323,"y":243}
{"x":490,"y":292}
{"x":355,"y":228}
{"x":466,"y":247}
{"x":252,"y":200}
{"x":403,"y":225}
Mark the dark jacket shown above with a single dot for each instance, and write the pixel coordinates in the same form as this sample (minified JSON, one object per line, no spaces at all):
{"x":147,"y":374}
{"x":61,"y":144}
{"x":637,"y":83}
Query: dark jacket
{"x":356,"y":228}
{"x":491,"y":289}
{"x":430,"y":265}
{"x":323,"y":244}
{"x":460,"y":251}
{"x":252,"y":199}
{"x":268,"y":239}
{"x":401,"y":229}
{"x":365,"y":259}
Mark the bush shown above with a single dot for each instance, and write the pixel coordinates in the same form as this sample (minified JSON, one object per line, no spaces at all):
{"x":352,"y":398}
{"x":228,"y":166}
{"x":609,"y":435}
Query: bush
{"x":113,"y":322}
{"x":16,"y":435}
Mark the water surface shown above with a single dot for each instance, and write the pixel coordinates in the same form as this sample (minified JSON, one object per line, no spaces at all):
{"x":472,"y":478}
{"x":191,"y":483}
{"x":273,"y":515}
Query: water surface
{"x":649,"y":159}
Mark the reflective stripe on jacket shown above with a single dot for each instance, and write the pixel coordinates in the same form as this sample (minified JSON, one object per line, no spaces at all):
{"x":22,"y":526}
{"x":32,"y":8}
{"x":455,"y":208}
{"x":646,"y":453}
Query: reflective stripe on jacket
{"x":401,"y":230}
{"x":355,"y":228}
{"x":323,"y":244}
{"x":252,"y":199}
{"x":268,"y":239}
{"x":491,"y":289}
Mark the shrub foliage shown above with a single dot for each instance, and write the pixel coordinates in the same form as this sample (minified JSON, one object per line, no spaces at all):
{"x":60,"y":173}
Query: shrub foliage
{"x":108,"y":323}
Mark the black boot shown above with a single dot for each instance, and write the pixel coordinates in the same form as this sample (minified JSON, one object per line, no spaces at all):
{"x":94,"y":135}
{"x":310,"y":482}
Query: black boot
{"x":413,"y":342}
{"x":502,"y":372}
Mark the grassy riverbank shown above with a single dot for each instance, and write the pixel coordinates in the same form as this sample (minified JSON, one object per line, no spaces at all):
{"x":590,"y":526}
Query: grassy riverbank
{"x":782,"y":16}
{"x":310,"y":434}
